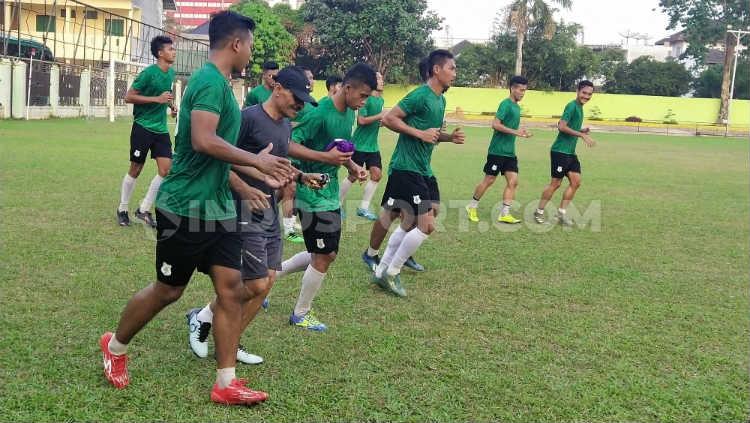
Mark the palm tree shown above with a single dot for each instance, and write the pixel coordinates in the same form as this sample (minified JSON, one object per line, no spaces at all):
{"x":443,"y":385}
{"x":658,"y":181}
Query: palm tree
{"x":525,"y":13}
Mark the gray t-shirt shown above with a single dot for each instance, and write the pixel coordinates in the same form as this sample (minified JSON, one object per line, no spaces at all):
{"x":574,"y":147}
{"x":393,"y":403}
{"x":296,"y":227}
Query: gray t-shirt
{"x":256,"y":132}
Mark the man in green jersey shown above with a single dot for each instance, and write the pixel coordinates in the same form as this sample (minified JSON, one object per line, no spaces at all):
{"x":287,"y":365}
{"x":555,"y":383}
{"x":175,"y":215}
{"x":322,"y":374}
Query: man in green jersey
{"x":261,"y":93}
{"x":196,"y":215}
{"x":150,"y":95}
{"x":563,"y":159}
{"x":366,"y":150}
{"x":412,"y":189}
{"x":319,"y":210}
{"x":501,"y":155}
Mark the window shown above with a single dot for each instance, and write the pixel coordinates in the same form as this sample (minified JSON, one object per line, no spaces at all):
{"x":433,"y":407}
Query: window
{"x":63,"y":13}
{"x":114,"y":27}
{"x":45,"y":23}
{"x":91,"y":14}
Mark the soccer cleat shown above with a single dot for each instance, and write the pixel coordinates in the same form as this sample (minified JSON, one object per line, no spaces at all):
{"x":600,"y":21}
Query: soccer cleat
{"x":564,"y":220}
{"x":122,"y":218}
{"x":508,"y":219}
{"x":393,"y":283}
{"x":237,"y":394}
{"x":371,"y":262}
{"x":413,"y":265}
{"x":245,"y":357}
{"x":197,"y":333}
{"x":367,"y":214}
{"x":472,"y":212}
{"x":294,"y":237}
{"x":265,"y":304}
{"x":539,"y":218}
{"x":115,"y":366}
{"x":308,"y":321}
{"x":145,"y":217}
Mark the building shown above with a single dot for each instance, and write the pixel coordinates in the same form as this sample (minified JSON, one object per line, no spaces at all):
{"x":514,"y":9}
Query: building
{"x":190,"y":14}
{"x":677,"y":44}
{"x":294,"y":4}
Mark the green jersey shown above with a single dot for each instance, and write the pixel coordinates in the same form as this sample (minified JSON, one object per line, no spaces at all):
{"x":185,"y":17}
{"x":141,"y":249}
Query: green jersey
{"x":366,"y":136}
{"x":502,"y":144}
{"x":317,"y":129}
{"x":257,"y":95}
{"x":197,"y":185}
{"x":424,"y":110}
{"x":573,"y":115}
{"x":152,"y":82}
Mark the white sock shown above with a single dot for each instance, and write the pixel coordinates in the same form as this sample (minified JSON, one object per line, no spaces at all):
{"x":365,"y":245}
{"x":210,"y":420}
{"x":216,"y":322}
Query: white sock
{"x":225,"y":376}
{"x":153,"y":189}
{"x":408,"y":247}
{"x":344,"y":189}
{"x":372,"y":252}
{"x":206,"y":315}
{"x":561,"y":211}
{"x":288,"y":224}
{"x":505,"y":210}
{"x":128,"y":184}
{"x":393,"y":243}
{"x":295,"y":263}
{"x":311,"y":282}
{"x":370,"y":188}
{"x":116,"y":347}
{"x":474,"y":203}
{"x":539,"y":211}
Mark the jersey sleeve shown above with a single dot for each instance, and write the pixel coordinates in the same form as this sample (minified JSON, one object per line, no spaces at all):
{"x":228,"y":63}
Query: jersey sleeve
{"x":142,"y":80}
{"x":413,"y":103}
{"x":569,"y":112}
{"x":209,"y":99}
{"x":365,"y":110}
{"x":307,"y":127}
{"x":503,"y":111}
{"x":250,"y":99}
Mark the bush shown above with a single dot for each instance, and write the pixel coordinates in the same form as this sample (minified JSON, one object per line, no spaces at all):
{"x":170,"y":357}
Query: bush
{"x":596,"y":113}
{"x":669,"y":117}
{"x":633,"y":119}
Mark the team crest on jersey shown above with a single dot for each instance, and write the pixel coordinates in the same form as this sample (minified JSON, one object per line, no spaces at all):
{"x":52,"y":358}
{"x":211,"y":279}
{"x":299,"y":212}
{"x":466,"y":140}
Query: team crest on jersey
{"x":390,"y":201}
{"x":417,"y":200}
{"x":166,"y":269}
{"x":559,"y":168}
{"x":137,"y":153}
{"x":321,"y":244}
{"x":494,"y":167}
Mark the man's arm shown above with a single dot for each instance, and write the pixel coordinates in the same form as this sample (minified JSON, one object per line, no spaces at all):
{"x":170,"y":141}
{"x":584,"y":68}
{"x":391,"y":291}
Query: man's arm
{"x":254,"y":198}
{"x":565,"y":129}
{"x":497,"y":125}
{"x":367,"y":120}
{"x":332,"y":157}
{"x":133,"y":96}
{"x":205,"y":141}
{"x":394,"y":120}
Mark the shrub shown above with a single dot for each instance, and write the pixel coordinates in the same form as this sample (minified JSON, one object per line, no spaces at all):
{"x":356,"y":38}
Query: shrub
{"x":669,"y":117}
{"x":596,"y":113}
{"x":633,"y":119}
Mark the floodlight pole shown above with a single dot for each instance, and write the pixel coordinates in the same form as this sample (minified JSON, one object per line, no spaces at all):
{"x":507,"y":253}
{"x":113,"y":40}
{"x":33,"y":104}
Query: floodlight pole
{"x":738,"y":34}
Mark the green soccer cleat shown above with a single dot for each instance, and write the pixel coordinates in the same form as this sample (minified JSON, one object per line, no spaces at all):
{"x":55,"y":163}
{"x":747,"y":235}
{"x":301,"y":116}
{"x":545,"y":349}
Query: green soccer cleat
{"x":391,"y":284}
{"x":294,"y":237}
{"x":308,"y":321}
{"x":508,"y":219}
{"x":472,"y":212}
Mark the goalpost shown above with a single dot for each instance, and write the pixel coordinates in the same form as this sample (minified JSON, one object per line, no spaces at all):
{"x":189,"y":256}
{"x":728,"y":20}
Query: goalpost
{"x":122,"y":73}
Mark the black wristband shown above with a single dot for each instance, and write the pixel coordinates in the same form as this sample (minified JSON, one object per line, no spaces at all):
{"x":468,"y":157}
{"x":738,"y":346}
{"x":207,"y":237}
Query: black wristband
{"x":299,"y":178}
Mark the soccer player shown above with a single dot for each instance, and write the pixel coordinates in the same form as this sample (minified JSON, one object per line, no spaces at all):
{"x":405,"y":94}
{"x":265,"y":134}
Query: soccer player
{"x":263,"y":124}
{"x":366,"y":151}
{"x":319,"y":211}
{"x":412,"y":188}
{"x":261,"y":93}
{"x":563,"y":159}
{"x":195,"y":214}
{"x":501,"y":155}
{"x":150,"y":95}
{"x":333,"y":84}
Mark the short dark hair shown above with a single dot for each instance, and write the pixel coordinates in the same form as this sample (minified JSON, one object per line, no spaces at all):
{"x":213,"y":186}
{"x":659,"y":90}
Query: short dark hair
{"x":585,"y":83}
{"x":424,"y":72}
{"x":437,"y":57}
{"x":361,"y":73}
{"x":270,"y":65}
{"x":158,"y":43}
{"x":226,"y":24}
{"x":518,"y":80}
{"x":332,"y":80}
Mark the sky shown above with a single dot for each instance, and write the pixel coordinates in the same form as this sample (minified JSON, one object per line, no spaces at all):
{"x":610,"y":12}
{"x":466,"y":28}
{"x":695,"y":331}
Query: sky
{"x":602,"y":20}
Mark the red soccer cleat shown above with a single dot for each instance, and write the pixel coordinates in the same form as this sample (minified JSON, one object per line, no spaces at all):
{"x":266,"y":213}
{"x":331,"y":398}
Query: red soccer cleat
{"x":237,"y":394}
{"x":115,"y":366}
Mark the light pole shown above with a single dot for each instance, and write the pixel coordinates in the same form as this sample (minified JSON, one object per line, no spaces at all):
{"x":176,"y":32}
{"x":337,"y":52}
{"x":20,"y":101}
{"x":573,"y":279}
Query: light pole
{"x":738,"y":34}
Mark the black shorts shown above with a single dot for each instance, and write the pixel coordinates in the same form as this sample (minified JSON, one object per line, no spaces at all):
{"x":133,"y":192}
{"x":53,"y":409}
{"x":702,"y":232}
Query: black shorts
{"x":561,"y":164}
{"x":142,"y":140}
{"x":260,"y":252}
{"x":367,"y":160}
{"x":183,"y":245}
{"x":500,"y":164}
{"x":321,"y":230}
{"x":411,"y":192}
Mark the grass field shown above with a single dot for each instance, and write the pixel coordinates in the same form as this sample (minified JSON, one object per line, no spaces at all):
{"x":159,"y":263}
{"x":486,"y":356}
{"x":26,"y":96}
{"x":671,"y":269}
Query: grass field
{"x":644,"y":319}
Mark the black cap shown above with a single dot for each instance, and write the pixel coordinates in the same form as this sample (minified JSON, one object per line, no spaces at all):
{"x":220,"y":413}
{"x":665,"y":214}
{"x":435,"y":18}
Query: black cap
{"x":293,"y":79}
{"x":270,"y":65}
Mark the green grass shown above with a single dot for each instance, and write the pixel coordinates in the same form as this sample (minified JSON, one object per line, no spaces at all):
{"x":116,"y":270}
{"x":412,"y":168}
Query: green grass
{"x":644,"y":320}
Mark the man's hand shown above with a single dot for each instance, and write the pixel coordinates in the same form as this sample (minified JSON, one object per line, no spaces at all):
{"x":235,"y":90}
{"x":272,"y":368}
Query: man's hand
{"x":254,"y":198}
{"x":358,"y":172}
{"x":586,"y":130}
{"x":523,"y":133}
{"x":430,"y":136}
{"x":165,"y":97}
{"x":458,"y":136}
{"x":174,"y":110}
{"x":588,"y":140}
{"x":276,"y":167}
{"x":336,"y":157}
{"x":313,"y":180}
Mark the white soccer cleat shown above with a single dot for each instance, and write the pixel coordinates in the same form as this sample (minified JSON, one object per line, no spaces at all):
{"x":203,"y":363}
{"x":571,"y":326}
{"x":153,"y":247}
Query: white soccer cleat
{"x":197,"y":333}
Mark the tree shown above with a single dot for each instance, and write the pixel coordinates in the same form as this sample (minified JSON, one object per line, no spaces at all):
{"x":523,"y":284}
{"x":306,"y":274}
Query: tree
{"x":608,"y":60}
{"x":391,"y":35}
{"x":483,"y":65}
{"x":524,"y":14}
{"x":708,"y":83}
{"x":705,"y":24}
{"x":556,"y":61}
{"x":646,"y":76}
{"x":272,"y":41}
